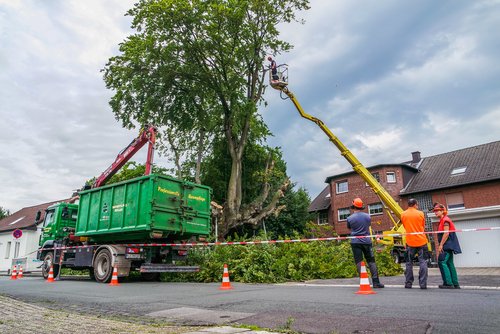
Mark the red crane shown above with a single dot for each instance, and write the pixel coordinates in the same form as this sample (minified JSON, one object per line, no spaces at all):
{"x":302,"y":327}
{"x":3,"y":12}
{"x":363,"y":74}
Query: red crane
{"x":147,"y":135}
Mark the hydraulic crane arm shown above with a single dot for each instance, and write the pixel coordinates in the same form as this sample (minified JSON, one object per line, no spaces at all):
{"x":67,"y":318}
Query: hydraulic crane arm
{"x":356,"y":165}
{"x":147,"y":135}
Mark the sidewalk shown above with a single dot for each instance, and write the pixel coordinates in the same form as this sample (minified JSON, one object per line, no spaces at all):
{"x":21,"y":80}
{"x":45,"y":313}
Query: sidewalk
{"x":19,"y":317}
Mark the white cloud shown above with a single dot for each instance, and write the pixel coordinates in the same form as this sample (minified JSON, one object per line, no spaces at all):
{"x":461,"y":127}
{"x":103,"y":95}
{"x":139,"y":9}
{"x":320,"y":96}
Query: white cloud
{"x":382,"y":140}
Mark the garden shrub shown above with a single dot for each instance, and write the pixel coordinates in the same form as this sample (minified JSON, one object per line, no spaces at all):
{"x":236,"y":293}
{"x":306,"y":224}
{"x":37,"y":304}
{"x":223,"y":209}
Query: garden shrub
{"x":281,"y":262}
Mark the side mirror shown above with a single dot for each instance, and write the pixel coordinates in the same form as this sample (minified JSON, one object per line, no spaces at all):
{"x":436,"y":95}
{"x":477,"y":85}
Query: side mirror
{"x":38,"y":216}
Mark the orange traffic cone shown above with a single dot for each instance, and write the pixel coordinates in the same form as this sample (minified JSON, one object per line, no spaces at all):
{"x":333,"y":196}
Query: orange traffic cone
{"x":226,"y":285}
{"x":114,"y":278}
{"x":50,"y":279}
{"x":364,"y":283}
{"x":20,"y":274}
{"x":14,"y":273}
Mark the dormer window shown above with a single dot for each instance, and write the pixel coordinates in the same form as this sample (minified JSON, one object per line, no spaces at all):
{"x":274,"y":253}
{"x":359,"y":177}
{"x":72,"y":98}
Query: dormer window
{"x":458,"y":170}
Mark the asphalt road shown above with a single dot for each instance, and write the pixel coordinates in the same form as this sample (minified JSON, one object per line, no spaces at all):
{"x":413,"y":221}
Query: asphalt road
{"x":302,"y":308}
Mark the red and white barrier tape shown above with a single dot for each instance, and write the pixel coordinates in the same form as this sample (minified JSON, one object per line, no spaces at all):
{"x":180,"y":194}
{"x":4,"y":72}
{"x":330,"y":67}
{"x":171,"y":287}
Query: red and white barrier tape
{"x":263,"y":242}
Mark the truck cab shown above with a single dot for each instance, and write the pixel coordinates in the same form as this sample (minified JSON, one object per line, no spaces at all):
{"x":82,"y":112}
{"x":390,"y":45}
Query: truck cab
{"x":59,"y":222}
{"x":58,"y":227}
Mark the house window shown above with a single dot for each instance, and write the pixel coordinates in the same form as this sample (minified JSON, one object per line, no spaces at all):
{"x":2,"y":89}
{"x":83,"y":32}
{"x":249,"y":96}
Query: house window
{"x":16,"y":249}
{"x":7,"y":249}
{"x":376,"y":176}
{"x":342,"y":187}
{"x":375,"y":209}
{"x":343,"y":213}
{"x":391,"y":177}
{"x":455,"y":201}
{"x":458,"y":170}
{"x":323,"y":218}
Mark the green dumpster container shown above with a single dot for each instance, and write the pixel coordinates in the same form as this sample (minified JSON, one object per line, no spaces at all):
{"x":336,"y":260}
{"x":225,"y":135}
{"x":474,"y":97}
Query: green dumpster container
{"x":154,"y":207}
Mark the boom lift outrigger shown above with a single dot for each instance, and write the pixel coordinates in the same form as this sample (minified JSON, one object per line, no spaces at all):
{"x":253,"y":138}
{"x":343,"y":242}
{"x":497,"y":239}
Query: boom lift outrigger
{"x":390,"y":205}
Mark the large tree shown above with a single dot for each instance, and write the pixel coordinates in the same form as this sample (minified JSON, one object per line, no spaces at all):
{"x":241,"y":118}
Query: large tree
{"x":4,"y":213}
{"x":196,"y":67}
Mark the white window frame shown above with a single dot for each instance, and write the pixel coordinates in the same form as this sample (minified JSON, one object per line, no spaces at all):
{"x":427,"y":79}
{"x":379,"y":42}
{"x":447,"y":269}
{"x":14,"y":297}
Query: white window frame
{"x":375,"y":206}
{"x":455,"y":201}
{"x":387,"y":177}
{"x":346,"y":211}
{"x":323,"y":218}
{"x":337,"y":184}
{"x":17,"y":246}
{"x":7,"y":249}
{"x":458,"y":170}
{"x":376,"y":178}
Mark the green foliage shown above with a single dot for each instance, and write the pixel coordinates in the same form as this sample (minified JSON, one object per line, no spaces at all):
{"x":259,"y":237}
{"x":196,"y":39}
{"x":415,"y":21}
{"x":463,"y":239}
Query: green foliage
{"x":273,"y":263}
{"x":196,"y":69}
{"x":132,"y":170}
{"x":4,"y":212}
{"x":385,"y":262}
{"x":73,"y":272}
{"x":313,"y":230}
{"x":216,"y":169}
{"x":294,"y":218}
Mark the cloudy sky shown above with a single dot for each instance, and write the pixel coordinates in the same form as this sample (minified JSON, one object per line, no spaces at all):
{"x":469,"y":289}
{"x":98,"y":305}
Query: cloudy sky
{"x":387,"y":77}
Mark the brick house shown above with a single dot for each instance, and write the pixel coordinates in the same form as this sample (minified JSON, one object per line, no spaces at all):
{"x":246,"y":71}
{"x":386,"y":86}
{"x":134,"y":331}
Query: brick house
{"x":467,"y":181}
{"x":347,"y":186}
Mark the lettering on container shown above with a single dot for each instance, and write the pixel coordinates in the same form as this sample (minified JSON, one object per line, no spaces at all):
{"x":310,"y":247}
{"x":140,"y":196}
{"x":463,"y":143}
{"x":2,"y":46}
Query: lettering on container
{"x":119,"y":207}
{"x":167,"y":191}
{"x":196,"y":198}
{"x":196,"y":224}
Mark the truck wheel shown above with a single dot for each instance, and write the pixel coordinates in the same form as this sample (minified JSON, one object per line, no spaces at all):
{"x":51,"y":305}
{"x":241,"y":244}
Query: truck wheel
{"x":103,"y":268}
{"x":48,"y":260}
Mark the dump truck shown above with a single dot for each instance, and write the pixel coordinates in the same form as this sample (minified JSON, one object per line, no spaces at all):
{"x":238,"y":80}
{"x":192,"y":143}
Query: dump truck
{"x":134,"y":225}
{"x":394,"y":237}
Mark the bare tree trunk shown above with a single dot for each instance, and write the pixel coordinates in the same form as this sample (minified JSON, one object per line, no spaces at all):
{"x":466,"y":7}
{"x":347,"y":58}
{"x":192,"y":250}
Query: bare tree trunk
{"x":177,"y":157}
{"x":199,"y":155}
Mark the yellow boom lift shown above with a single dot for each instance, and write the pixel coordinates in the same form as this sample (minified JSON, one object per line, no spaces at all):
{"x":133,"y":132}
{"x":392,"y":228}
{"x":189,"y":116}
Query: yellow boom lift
{"x":279,"y":81}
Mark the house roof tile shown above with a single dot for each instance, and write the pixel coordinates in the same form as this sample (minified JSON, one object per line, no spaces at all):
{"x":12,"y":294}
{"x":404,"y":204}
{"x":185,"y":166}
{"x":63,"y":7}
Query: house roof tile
{"x":321,"y":202}
{"x":372,"y":168}
{"x":24,"y":218}
{"x":482,"y":164}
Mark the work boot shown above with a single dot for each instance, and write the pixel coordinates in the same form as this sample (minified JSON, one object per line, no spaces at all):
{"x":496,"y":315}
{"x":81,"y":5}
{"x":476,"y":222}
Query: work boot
{"x":377,"y":284}
{"x":446,"y":286}
{"x":457,"y":286}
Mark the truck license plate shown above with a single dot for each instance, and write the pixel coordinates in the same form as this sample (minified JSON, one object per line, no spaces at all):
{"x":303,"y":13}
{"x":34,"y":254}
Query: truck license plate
{"x":132,"y":256}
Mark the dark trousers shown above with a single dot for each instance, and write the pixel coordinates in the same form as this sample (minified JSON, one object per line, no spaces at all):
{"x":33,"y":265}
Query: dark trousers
{"x":422,"y":254}
{"x":365,"y":250}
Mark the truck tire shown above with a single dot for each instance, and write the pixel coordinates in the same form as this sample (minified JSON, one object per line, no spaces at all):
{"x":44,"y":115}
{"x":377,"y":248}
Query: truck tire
{"x":48,"y":260}
{"x":103,"y":266}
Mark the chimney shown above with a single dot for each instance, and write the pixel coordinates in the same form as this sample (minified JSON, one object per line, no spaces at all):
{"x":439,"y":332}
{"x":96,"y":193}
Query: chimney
{"x":415,"y":156}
